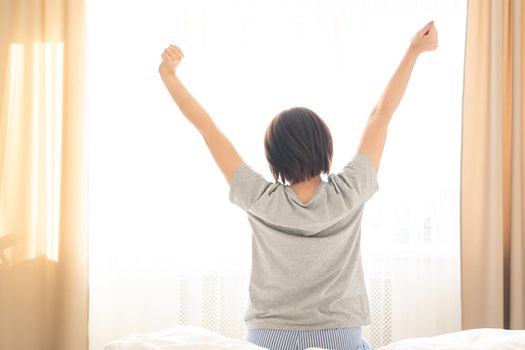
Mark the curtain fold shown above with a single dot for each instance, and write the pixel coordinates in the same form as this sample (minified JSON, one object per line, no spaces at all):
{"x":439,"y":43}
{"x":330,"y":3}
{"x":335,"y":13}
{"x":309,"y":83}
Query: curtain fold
{"x":43,"y":183}
{"x":492,"y":167}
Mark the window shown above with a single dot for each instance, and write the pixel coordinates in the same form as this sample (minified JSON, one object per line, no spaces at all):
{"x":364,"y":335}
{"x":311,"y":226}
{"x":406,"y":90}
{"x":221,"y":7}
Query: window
{"x":165,"y":245}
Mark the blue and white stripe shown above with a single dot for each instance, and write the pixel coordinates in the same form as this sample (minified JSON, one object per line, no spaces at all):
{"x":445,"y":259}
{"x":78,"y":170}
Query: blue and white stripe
{"x":332,"y":338}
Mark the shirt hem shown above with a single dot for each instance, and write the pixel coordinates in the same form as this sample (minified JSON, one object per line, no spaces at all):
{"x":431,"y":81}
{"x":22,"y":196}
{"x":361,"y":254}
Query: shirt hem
{"x":257,"y":325}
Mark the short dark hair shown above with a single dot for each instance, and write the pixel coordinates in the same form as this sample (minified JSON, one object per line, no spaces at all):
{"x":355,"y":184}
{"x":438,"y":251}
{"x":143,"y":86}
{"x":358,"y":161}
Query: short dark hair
{"x":298,"y":145}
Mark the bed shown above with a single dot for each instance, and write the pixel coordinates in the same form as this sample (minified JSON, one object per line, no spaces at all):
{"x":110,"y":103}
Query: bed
{"x":197,"y":338}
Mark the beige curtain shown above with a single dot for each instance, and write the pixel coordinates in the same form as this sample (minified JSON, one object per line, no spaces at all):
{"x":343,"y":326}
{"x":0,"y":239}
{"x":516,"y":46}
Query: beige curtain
{"x":493,"y":166}
{"x":43,"y":182}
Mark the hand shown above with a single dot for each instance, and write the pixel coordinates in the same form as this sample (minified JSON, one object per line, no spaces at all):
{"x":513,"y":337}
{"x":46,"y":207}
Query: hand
{"x":425,"y":39}
{"x":171,"y":58}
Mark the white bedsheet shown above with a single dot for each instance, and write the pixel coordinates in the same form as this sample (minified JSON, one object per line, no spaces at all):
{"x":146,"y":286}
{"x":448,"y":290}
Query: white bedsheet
{"x":197,"y":338}
{"x":180,"y":338}
{"x":478,"y":339}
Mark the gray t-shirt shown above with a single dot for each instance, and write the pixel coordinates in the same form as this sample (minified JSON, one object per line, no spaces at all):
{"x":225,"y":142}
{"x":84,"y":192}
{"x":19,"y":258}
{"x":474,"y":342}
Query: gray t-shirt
{"x":306,"y":268}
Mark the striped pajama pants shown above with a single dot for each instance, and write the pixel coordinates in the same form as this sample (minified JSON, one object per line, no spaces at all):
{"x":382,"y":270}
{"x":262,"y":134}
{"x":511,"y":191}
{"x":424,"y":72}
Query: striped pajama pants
{"x":334,"y":338}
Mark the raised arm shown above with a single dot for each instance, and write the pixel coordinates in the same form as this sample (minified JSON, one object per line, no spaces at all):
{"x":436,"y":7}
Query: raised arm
{"x":374,"y":136}
{"x":222,"y":150}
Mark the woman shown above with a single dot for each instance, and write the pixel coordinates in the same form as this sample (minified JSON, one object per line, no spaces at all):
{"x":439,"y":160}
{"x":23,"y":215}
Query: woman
{"x":306,"y":286}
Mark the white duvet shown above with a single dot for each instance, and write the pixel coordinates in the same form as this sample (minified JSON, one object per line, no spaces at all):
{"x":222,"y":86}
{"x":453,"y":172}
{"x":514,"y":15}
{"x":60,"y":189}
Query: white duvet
{"x":197,"y":338}
{"x":473,"y":339}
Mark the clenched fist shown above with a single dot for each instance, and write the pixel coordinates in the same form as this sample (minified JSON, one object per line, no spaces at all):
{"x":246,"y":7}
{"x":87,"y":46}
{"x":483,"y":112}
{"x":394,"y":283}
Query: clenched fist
{"x":425,"y":39}
{"x":171,"y":58}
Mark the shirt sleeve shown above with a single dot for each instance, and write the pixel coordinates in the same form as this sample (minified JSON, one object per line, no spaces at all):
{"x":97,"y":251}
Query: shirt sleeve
{"x":247,"y":186}
{"x":358,"y":179}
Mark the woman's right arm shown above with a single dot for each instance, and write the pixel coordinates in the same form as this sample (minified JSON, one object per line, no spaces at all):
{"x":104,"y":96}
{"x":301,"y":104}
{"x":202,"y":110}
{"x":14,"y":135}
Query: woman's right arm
{"x":374,"y":137}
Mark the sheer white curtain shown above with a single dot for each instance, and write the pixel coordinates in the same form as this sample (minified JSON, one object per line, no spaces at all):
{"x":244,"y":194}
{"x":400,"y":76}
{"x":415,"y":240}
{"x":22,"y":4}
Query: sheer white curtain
{"x":167,"y":248}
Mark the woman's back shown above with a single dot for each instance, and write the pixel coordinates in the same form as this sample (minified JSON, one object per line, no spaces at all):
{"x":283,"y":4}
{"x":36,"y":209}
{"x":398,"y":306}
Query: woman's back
{"x":306,"y":263}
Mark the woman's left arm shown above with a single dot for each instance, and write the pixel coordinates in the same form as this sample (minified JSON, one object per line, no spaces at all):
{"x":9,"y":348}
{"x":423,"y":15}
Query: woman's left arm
{"x":221,"y":148}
